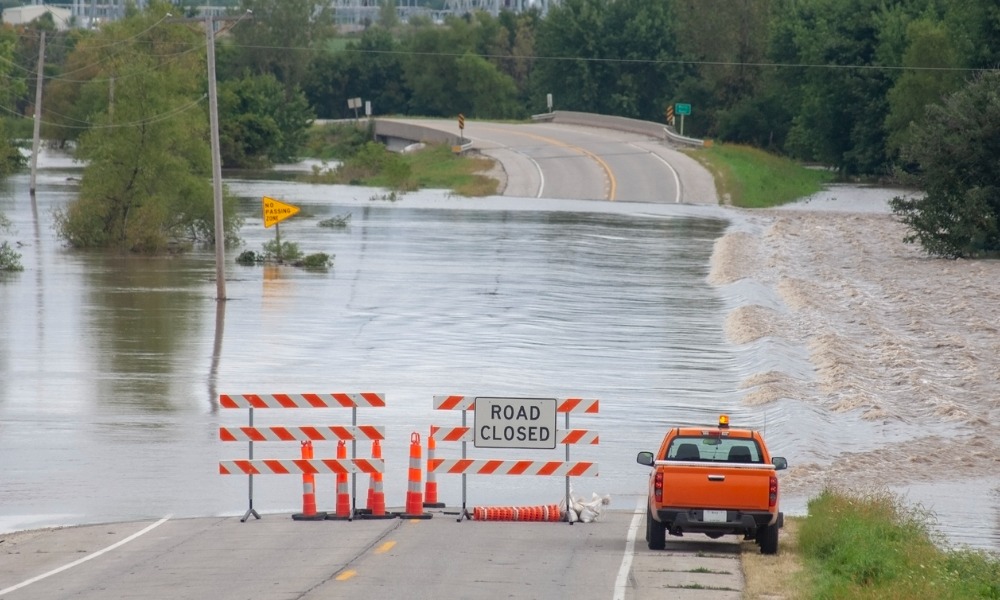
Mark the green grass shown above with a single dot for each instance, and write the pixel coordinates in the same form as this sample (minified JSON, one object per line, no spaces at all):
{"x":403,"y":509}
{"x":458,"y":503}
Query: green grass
{"x":871,"y":546}
{"x":438,"y":167}
{"x":751,"y":178}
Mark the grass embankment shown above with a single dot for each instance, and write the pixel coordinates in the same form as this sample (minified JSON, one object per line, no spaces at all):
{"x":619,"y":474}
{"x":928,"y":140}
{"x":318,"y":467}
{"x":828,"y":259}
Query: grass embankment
{"x":751,"y":178}
{"x":867,"y":546}
{"x":370,"y":164}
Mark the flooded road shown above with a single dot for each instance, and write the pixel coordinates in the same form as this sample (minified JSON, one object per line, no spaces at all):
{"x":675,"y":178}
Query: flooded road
{"x":112,"y":365}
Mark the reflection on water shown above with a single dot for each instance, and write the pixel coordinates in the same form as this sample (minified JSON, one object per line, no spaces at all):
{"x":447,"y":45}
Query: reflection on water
{"x":112,"y":365}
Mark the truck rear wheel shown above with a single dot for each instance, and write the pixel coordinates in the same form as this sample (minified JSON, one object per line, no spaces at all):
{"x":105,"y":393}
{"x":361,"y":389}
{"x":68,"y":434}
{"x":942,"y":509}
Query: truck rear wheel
{"x":768,"y":539}
{"x":656,"y":532}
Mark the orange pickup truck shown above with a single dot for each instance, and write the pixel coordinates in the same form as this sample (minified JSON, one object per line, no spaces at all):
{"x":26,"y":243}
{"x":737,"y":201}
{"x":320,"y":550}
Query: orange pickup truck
{"x":713,"y":480}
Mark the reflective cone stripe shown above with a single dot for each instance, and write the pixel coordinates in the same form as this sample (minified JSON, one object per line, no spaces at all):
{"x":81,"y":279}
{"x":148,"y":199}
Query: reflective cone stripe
{"x":343,"y":495}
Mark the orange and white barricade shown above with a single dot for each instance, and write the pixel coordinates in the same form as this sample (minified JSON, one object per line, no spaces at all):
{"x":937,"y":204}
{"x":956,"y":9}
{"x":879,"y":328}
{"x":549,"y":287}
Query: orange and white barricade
{"x":340,"y":467}
{"x":495,"y":411}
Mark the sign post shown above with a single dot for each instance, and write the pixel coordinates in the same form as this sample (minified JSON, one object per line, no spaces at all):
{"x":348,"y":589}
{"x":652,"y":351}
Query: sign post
{"x":682,"y":110}
{"x":276,"y":211}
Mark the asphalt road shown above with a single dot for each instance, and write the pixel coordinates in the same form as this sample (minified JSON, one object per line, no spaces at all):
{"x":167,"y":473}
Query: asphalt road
{"x":554,"y":160}
{"x":430,"y":559}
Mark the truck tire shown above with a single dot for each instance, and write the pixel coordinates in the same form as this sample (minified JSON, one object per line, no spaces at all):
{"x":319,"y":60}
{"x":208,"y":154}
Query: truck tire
{"x":656,"y":532}
{"x":768,"y":539}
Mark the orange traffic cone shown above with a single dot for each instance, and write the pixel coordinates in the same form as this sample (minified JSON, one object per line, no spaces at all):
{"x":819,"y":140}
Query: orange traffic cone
{"x":431,"y":487}
{"x":414,"y":497}
{"x":376,"y":497}
{"x":343,"y":494}
{"x":308,"y":490}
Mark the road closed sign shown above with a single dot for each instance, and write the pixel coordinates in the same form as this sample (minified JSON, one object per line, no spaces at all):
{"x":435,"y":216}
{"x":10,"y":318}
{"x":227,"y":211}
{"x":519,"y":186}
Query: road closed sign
{"x":515,"y":423}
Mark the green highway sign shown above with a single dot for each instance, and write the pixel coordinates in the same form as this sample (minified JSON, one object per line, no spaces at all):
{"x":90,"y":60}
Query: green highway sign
{"x":682,"y":109}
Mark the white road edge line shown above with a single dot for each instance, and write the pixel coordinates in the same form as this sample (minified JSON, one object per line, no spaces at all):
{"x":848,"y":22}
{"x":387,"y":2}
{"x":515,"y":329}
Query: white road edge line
{"x":621,"y":582}
{"x":85,"y":558}
{"x":677,"y":179}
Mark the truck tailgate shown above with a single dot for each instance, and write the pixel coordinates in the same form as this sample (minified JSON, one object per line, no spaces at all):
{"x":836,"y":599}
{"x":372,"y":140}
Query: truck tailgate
{"x":730,"y":486}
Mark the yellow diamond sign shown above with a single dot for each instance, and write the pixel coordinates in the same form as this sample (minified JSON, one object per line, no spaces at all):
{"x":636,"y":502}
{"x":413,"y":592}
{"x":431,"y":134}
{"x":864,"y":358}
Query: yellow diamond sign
{"x":276,"y":211}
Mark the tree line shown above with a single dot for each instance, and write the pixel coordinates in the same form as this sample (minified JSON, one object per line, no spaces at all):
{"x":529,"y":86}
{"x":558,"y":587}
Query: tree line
{"x":843,"y":83}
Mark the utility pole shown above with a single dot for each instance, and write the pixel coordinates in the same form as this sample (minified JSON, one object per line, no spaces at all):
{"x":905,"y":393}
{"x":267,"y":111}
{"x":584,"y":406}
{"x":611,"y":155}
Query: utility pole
{"x":213,"y":117}
{"x":213,"y":112}
{"x":37,"y":137}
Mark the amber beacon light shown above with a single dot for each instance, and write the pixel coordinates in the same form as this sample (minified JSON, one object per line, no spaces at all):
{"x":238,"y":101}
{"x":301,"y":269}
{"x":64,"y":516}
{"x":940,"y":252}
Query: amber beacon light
{"x":724,"y":421}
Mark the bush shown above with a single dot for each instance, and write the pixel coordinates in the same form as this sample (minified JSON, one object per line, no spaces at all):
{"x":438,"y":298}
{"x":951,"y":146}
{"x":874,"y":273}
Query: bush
{"x":9,"y":260}
{"x":956,"y":152}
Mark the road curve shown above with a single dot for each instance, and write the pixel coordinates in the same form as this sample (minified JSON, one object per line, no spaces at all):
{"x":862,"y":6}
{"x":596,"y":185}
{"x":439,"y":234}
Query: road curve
{"x":554,"y":160}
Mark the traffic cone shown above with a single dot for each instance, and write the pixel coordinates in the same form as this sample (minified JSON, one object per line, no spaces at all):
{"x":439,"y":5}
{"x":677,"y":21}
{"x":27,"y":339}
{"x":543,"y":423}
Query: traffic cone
{"x":414,"y":497}
{"x":376,"y":497}
{"x":343,"y":494}
{"x":431,"y":488}
{"x":308,"y":491}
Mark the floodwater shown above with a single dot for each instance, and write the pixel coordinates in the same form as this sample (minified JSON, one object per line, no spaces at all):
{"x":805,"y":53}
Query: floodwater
{"x":112,"y":365}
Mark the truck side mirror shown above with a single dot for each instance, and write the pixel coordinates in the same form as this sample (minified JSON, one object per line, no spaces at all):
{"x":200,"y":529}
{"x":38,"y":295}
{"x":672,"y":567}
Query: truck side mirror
{"x":645,"y":458}
{"x":779,"y":463}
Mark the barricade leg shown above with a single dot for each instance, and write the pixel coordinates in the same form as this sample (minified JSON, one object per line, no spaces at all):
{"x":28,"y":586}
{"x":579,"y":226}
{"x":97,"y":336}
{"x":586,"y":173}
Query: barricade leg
{"x":309,"y":512}
{"x":376,"y":496}
{"x":343,"y":493}
{"x":414,"y":496}
{"x":431,"y":487}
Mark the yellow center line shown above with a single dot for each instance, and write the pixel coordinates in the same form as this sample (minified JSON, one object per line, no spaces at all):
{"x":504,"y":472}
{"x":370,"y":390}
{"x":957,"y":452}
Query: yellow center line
{"x":613,"y":183}
{"x":385,"y":547}
{"x":346,"y":575}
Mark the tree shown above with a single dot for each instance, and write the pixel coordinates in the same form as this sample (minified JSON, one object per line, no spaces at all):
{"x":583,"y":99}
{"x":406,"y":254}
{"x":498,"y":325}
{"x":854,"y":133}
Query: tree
{"x":370,"y":68}
{"x":957,"y":150}
{"x":484,"y":92}
{"x":257,"y":125}
{"x":429,"y":67}
{"x":929,"y":48}
{"x":840,"y":118}
{"x":147,"y":182}
{"x":614,"y":58}
{"x":280,"y":40}
{"x":11,"y":87}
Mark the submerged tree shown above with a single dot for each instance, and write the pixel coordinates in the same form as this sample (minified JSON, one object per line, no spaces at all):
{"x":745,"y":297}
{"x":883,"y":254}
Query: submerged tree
{"x":147,"y":183}
{"x":957,"y":151}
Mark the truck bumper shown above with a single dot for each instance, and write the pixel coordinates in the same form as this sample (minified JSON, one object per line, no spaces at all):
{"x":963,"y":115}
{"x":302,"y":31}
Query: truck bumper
{"x":679,"y":521}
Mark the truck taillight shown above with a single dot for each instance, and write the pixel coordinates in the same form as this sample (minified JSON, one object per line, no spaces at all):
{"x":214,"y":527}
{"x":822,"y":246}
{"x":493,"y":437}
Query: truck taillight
{"x":658,"y":487}
{"x":772,"y":498}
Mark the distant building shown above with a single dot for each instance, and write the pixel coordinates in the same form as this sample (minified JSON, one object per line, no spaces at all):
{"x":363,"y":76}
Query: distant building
{"x":26,"y":14}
